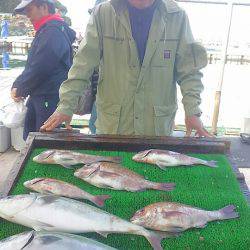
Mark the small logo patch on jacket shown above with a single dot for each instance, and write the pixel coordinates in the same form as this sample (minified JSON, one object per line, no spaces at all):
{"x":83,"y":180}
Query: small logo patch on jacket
{"x":167,"y":54}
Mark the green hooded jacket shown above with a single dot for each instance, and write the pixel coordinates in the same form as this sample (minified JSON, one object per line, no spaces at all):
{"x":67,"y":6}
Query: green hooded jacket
{"x":134,"y":99}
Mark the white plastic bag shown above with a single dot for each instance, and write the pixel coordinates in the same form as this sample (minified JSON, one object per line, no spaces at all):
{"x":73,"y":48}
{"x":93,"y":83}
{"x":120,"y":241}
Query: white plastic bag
{"x":14,"y":114}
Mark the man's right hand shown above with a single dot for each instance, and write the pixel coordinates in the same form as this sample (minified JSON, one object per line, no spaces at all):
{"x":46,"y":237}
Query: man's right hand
{"x":55,"y":120}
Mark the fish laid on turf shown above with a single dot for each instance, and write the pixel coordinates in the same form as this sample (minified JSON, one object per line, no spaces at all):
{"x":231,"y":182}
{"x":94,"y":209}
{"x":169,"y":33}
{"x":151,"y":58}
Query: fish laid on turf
{"x":59,"y":214}
{"x":61,"y":188}
{"x":165,"y":158}
{"x":114,"y":176}
{"x":175,"y":217}
{"x":68,"y":158}
{"x":50,"y":241}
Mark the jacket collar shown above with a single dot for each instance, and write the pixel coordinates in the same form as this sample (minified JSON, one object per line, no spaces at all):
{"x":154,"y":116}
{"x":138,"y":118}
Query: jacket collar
{"x":165,"y":6}
{"x":37,"y":25}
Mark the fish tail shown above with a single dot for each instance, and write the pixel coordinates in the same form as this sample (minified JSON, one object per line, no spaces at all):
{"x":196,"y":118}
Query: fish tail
{"x":164,"y":186}
{"x":100,"y":199}
{"x":211,"y":164}
{"x":156,"y":238}
{"x":228,"y":213}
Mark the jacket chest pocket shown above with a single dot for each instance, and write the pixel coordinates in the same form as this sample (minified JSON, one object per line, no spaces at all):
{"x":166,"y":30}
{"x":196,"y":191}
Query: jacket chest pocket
{"x":165,"y":53}
{"x":115,"y":50}
{"x":115,"y":43}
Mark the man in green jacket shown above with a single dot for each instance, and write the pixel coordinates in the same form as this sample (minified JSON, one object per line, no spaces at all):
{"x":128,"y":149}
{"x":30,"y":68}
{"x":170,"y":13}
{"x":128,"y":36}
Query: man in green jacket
{"x":143,"y":48}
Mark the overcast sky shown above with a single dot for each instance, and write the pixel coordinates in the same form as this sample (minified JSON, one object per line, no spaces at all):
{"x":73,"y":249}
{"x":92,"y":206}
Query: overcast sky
{"x":208,"y":21}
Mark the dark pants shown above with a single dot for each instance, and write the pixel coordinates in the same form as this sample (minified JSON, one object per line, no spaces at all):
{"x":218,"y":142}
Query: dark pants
{"x":40,"y":108}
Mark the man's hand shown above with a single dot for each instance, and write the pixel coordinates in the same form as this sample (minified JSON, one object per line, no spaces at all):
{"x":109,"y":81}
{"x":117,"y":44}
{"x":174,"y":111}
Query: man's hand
{"x":194,"y":122}
{"x":14,"y":96}
{"x":55,"y":120}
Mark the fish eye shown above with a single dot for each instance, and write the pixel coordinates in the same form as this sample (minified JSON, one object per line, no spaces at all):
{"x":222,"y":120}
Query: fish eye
{"x":141,"y":211}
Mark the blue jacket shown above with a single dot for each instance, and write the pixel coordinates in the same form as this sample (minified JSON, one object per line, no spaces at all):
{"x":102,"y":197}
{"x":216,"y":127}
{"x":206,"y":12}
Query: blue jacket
{"x":49,"y":60}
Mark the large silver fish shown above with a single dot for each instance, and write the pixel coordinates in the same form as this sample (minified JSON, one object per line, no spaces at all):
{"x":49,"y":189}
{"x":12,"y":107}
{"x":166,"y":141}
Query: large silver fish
{"x":165,"y":158}
{"x":58,"y":214}
{"x":114,"y":176}
{"x":50,"y":241}
{"x":175,"y":217}
{"x":61,"y":188}
{"x":68,"y":158}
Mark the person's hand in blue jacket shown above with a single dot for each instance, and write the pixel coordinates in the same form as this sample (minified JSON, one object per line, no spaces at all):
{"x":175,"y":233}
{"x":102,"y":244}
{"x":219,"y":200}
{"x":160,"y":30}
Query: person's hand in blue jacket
{"x":14,"y":95}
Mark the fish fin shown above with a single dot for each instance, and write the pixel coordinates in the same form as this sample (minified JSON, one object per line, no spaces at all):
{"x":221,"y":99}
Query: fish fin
{"x":104,"y":234}
{"x":201,"y":225}
{"x":47,"y":192}
{"x":168,"y":234}
{"x":228,"y":213}
{"x":163,"y":186}
{"x":31,"y":238}
{"x":47,"y":199}
{"x":175,"y":229}
{"x":161,"y":165}
{"x":172,"y":214}
{"x":88,"y":170}
{"x":105,"y":186}
{"x":115,"y":159}
{"x":68,"y":166}
{"x":155,"y":239}
{"x":108,"y":174}
{"x":34,"y":193}
{"x":105,"y":159}
{"x":41,"y":226}
{"x":100,"y":199}
{"x":211,"y":164}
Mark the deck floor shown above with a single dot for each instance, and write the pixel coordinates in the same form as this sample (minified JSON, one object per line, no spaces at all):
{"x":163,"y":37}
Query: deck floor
{"x":7,"y":161}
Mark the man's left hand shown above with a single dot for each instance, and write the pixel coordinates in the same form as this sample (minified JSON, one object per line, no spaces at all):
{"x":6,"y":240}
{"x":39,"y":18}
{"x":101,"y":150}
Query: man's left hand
{"x":14,"y":95}
{"x":194,"y":122}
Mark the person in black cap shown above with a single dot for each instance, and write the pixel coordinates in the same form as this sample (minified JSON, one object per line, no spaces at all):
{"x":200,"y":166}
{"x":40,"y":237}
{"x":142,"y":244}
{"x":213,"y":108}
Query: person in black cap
{"x":49,"y":61}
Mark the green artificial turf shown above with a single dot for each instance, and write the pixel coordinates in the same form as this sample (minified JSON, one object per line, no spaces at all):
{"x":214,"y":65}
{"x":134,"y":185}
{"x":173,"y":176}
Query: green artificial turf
{"x":200,"y":186}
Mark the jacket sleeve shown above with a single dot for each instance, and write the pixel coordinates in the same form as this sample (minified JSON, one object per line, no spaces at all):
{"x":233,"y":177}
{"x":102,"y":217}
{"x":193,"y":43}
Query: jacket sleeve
{"x":190,"y":59}
{"x":50,"y":49}
{"x":85,"y":61}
